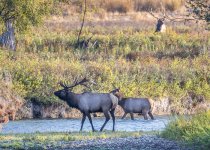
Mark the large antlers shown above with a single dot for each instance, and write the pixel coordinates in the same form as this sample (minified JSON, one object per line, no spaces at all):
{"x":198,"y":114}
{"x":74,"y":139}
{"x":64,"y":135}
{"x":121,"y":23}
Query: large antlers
{"x":153,"y":15}
{"x":82,"y":82}
{"x":171,"y":18}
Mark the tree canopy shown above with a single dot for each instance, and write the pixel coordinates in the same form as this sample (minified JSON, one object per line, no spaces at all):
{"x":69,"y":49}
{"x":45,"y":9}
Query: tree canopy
{"x":24,"y":13}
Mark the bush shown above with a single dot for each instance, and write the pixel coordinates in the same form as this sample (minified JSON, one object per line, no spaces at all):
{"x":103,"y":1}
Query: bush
{"x":194,"y":130}
{"x":142,"y":64}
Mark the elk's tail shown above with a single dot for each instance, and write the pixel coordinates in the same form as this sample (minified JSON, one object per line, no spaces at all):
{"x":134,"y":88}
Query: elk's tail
{"x":151,"y":103}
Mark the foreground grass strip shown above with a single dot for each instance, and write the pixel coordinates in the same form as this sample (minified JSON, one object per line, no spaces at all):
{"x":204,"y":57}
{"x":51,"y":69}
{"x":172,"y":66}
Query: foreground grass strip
{"x":194,"y":131}
{"x":46,"y":140}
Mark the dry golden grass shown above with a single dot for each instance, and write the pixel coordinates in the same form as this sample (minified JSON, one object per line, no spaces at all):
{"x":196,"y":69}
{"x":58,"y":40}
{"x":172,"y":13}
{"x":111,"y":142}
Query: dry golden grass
{"x":157,"y":5}
{"x":124,"y":6}
{"x":121,"y":6}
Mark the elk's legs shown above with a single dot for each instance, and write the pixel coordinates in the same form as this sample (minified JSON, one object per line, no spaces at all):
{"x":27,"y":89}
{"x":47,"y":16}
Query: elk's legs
{"x":113,"y":118}
{"x":89,"y":117}
{"x":144,"y":112}
{"x":132,"y":118}
{"x":83,"y":120}
{"x":106,"y":114}
{"x":124,"y":115}
{"x":150,"y":114}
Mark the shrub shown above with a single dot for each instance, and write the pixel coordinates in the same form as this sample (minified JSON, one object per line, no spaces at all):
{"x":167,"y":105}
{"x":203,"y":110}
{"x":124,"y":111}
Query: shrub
{"x":194,"y":130}
{"x":140,"y":63}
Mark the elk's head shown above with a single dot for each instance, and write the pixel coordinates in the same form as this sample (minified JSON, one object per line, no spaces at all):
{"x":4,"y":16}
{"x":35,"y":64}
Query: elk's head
{"x":63,"y":94}
{"x":160,"y":26}
{"x":160,"y":21}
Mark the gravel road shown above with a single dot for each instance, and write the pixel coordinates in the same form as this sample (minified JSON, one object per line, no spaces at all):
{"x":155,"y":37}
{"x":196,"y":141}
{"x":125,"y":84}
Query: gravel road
{"x":146,"y":142}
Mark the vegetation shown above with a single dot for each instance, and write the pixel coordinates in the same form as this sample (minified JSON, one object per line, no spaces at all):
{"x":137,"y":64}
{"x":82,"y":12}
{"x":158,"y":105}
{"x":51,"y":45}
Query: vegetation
{"x":24,"y":13}
{"x":124,"y":6}
{"x":17,"y":16}
{"x":9,"y":103}
{"x":140,"y":63}
{"x":193,"y":130}
{"x":53,"y":140}
{"x":200,"y":9}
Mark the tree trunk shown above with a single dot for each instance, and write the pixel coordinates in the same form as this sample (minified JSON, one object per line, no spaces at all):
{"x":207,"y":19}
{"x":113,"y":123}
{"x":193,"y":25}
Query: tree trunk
{"x":7,"y":39}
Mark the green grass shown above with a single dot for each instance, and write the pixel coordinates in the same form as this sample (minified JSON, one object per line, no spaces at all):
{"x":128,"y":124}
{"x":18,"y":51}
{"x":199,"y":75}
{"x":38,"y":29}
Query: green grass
{"x":194,"y":131}
{"x":52,"y":140}
{"x":141,"y":63}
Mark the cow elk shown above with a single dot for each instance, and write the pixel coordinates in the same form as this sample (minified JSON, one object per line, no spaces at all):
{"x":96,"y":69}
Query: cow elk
{"x":134,"y":105}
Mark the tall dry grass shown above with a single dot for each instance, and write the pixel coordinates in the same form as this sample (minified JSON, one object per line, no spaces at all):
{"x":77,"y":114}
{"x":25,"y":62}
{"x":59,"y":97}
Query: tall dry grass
{"x":121,"y":6}
{"x":157,"y":5}
{"x":124,"y":6}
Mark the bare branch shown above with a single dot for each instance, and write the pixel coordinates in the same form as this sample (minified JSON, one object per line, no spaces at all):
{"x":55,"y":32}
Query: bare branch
{"x":83,"y":21}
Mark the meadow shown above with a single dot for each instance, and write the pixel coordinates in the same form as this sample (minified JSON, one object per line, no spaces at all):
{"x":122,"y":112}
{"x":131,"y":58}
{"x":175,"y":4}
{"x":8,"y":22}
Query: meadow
{"x":140,"y":63}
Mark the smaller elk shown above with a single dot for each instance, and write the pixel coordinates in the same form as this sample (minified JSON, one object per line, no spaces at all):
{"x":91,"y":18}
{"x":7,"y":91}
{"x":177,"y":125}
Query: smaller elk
{"x":89,"y":102}
{"x":134,"y":105}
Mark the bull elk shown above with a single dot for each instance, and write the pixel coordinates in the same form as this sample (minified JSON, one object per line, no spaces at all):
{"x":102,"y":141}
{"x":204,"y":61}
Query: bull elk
{"x":89,"y":102}
{"x":161,"y":27}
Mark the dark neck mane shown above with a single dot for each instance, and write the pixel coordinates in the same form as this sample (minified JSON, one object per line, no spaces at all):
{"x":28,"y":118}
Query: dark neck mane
{"x":71,"y":99}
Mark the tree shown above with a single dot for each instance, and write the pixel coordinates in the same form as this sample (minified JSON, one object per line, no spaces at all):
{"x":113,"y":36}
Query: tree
{"x":18,"y":16}
{"x":200,"y":9}
{"x":83,"y":21}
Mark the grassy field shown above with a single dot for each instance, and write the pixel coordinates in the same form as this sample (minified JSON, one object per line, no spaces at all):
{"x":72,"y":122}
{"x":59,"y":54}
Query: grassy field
{"x":46,"y":140}
{"x":141,"y":63}
{"x":194,"y":131}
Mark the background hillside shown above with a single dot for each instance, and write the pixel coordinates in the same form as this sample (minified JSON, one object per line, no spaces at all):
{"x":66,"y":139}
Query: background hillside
{"x":123,"y":52}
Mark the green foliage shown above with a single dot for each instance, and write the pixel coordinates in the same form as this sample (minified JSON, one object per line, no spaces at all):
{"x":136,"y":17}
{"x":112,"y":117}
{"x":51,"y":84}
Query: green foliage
{"x":195,"y":130}
{"x":142,"y":64}
{"x":24,"y":13}
{"x":120,"y":42}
